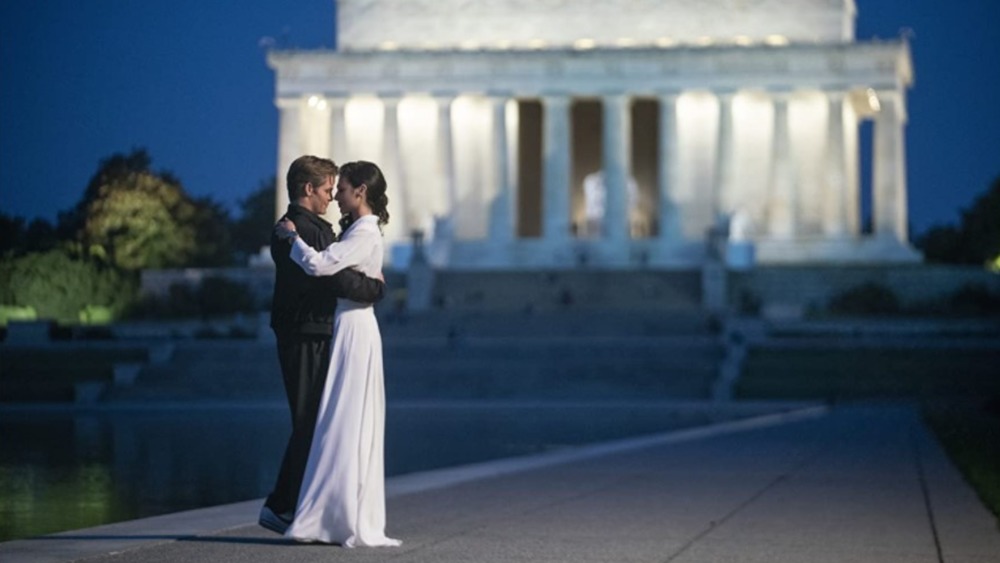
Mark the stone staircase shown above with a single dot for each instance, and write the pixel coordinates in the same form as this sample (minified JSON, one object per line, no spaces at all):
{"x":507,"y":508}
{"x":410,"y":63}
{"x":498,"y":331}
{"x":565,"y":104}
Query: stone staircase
{"x":571,"y":355}
{"x":566,"y":291}
{"x":208,"y":370}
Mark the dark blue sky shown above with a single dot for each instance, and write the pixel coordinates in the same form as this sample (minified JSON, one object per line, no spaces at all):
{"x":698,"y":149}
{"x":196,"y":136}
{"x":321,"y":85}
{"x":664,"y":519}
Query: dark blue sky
{"x":187,"y":80}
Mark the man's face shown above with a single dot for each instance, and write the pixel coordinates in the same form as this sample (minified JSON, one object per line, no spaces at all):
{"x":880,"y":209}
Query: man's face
{"x":318,"y":198}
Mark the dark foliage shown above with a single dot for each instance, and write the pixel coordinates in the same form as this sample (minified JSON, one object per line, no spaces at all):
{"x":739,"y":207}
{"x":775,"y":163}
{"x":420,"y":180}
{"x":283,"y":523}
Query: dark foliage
{"x":252,"y":230}
{"x":868,"y":299}
{"x":976,"y":240}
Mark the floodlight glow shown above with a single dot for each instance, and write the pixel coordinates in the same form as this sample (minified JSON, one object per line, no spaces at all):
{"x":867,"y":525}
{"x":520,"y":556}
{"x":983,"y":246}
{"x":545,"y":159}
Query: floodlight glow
{"x":873,"y":102}
{"x":584,"y":44}
{"x":364,"y":117}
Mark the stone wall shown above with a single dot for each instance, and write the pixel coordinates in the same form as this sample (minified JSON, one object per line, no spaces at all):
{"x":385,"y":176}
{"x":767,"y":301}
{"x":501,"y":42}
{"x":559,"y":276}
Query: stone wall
{"x":568,"y":290}
{"x":795,"y":288}
{"x":259,"y":280}
{"x":811,"y":287}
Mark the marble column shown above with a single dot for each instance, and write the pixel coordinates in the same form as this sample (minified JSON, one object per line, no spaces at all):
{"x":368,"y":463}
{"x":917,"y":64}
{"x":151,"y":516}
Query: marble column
{"x":616,"y":148}
{"x":725,"y":147}
{"x":316,"y":125}
{"x":668,"y":171}
{"x":339,"y":151}
{"x":400,"y":226}
{"x":555,"y":168}
{"x":446,"y":150}
{"x":501,"y":227}
{"x":289,"y":148}
{"x":783,"y":201}
{"x":888,"y":169}
{"x":836,"y":192}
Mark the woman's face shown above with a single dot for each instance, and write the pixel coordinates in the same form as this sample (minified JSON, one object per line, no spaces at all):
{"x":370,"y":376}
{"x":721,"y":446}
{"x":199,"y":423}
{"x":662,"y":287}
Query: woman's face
{"x":348,"y":198}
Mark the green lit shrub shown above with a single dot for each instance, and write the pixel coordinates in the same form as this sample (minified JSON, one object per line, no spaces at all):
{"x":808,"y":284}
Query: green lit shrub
{"x":59,"y":286}
{"x":96,"y":315}
{"x":14,"y":313}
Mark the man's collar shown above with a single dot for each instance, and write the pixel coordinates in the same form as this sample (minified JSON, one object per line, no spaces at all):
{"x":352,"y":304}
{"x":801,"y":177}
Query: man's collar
{"x":295,"y":209}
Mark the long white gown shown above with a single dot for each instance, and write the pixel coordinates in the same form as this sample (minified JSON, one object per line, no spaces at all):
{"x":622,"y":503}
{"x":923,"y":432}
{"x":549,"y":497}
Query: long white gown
{"x":342,"y":499}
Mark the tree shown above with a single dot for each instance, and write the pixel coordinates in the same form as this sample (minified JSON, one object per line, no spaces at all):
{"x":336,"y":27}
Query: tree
{"x":252,"y":229}
{"x":139,"y":221}
{"x":11,"y":233}
{"x":136,"y":218}
{"x":214,"y":231}
{"x":981,"y":226}
{"x":941,"y":243}
{"x":116,"y":166}
{"x":38,"y":236}
{"x":976,"y":240}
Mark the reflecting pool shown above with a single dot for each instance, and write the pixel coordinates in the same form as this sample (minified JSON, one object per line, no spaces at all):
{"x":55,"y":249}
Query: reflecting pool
{"x":64,"y":469}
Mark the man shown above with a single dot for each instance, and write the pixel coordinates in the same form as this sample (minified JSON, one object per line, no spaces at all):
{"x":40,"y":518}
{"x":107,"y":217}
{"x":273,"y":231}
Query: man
{"x":302,"y":319}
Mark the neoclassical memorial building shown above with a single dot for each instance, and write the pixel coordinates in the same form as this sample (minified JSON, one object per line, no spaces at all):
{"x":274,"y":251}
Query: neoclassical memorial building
{"x":530,"y":134}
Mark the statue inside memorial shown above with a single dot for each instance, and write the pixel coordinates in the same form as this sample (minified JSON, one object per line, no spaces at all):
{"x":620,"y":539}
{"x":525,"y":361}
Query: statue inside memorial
{"x":595,"y":199}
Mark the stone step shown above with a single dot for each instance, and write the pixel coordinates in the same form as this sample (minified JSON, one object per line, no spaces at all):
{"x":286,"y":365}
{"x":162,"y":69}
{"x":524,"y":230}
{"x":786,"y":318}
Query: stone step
{"x":591,"y":324}
{"x":439,"y":367}
{"x":573,"y":290}
{"x":475,"y":354}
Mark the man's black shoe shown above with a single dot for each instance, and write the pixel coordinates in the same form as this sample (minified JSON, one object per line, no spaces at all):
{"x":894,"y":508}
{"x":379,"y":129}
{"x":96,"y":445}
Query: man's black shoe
{"x":277,"y":523}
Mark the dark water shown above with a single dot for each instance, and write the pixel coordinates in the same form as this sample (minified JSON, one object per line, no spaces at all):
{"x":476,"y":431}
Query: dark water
{"x":61,"y":470}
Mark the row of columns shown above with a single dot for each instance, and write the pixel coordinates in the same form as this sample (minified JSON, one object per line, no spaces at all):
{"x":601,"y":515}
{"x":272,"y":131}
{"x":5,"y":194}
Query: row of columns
{"x":783,"y":217}
{"x":782,"y":221}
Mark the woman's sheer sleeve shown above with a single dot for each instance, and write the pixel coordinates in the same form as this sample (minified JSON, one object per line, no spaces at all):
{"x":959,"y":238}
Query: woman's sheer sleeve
{"x":338,"y":256}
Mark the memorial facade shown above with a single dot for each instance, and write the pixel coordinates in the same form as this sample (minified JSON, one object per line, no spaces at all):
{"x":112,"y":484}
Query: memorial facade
{"x":530,"y":134}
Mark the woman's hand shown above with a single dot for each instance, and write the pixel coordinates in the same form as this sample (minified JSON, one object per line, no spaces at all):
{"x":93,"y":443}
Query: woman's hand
{"x":285,"y":230}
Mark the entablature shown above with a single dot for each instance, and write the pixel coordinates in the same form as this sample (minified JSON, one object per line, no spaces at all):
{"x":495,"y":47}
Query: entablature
{"x":878,"y":65}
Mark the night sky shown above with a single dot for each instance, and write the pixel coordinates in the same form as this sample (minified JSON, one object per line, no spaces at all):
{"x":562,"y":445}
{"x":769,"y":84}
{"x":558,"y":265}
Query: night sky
{"x":187,"y":80}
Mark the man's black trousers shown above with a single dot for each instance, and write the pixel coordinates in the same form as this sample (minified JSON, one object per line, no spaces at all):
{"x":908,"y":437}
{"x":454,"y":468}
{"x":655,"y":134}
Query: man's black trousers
{"x":304,"y":361}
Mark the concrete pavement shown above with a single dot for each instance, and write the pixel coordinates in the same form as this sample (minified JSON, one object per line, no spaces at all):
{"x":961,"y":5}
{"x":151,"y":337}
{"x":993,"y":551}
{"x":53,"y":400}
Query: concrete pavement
{"x":854,"y":483}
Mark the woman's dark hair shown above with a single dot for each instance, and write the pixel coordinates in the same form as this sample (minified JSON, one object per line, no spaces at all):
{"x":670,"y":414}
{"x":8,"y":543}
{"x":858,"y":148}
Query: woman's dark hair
{"x":367,"y":173}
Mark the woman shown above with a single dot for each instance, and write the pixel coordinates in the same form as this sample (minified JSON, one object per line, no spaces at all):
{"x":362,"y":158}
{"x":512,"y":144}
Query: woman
{"x":342,"y":499}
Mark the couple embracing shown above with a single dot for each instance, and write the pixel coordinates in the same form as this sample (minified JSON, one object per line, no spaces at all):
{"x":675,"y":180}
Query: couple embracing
{"x":331,"y":485}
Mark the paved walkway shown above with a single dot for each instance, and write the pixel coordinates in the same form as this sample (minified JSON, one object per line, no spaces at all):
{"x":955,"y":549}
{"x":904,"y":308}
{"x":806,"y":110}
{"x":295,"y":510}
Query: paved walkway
{"x":860,"y":483}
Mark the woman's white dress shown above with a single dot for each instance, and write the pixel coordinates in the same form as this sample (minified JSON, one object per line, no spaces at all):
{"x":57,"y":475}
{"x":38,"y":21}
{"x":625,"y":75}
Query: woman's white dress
{"x":342,"y":499}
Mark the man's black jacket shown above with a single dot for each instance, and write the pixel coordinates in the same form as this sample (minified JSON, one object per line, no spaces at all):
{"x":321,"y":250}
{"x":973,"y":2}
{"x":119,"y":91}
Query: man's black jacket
{"x":305,"y":304}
